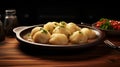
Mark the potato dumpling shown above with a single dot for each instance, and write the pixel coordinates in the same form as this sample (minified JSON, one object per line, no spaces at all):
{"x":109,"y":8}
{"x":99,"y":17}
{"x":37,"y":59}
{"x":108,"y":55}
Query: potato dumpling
{"x":34,"y":30}
{"x":58,"y":39}
{"x":72,"y":27}
{"x":93,"y":34}
{"x":78,"y":37}
{"x":41,"y":36}
{"x":50,"y":26}
{"x":88,"y":32}
{"x":62,"y":30}
{"x":62,"y":23}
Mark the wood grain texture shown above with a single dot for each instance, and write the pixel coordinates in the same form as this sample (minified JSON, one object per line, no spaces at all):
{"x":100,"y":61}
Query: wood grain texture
{"x":100,"y":56}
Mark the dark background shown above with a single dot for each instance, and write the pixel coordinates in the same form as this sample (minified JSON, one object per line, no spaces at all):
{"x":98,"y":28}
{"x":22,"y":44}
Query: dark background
{"x":33,"y":12}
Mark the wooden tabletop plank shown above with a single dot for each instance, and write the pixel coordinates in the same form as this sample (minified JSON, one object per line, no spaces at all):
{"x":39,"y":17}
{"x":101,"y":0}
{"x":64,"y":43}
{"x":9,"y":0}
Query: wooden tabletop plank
{"x":100,"y":56}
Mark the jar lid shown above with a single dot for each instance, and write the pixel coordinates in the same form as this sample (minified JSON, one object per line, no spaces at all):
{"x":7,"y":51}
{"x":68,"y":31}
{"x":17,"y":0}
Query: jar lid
{"x":10,"y":11}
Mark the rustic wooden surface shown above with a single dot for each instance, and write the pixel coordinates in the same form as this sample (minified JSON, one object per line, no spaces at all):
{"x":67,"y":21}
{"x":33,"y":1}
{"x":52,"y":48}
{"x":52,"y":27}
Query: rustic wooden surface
{"x":100,"y":56}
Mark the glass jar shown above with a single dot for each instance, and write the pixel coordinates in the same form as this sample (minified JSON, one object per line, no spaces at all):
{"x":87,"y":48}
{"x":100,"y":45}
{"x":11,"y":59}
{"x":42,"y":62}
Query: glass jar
{"x":10,"y":22}
{"x":2,"y":34}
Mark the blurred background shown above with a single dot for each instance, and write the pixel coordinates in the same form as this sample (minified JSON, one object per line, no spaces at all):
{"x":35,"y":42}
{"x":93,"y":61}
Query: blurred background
{"x":33,"y":12}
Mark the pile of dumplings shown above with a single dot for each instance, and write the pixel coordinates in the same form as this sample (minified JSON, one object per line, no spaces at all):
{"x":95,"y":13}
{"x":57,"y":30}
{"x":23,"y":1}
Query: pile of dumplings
{"x":61,"y":33}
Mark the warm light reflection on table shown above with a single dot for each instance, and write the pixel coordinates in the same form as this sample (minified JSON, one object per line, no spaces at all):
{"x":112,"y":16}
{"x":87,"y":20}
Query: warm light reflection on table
{"x":100,"y":56}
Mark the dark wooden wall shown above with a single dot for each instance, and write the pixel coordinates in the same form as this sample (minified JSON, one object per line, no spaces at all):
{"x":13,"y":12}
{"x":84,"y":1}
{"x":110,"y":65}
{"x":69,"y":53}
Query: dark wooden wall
{"x":33,"y":12}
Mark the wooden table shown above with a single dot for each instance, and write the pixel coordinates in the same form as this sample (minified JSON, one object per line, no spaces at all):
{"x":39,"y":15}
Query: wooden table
{"x":100,"y":56}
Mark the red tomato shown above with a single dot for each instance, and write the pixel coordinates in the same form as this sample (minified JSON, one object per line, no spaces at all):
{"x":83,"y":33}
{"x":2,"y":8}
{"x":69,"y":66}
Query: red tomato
{"x":99,"y":23}
{"x":115,"y":24}
{"x":118,"y":27}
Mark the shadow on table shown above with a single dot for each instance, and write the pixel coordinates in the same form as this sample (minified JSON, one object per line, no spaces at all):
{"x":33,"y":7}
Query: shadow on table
{"x":66,"y":55}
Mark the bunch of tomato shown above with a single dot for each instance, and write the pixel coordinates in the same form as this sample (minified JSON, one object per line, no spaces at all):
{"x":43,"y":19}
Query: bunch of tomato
{"x":108,"y":24}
